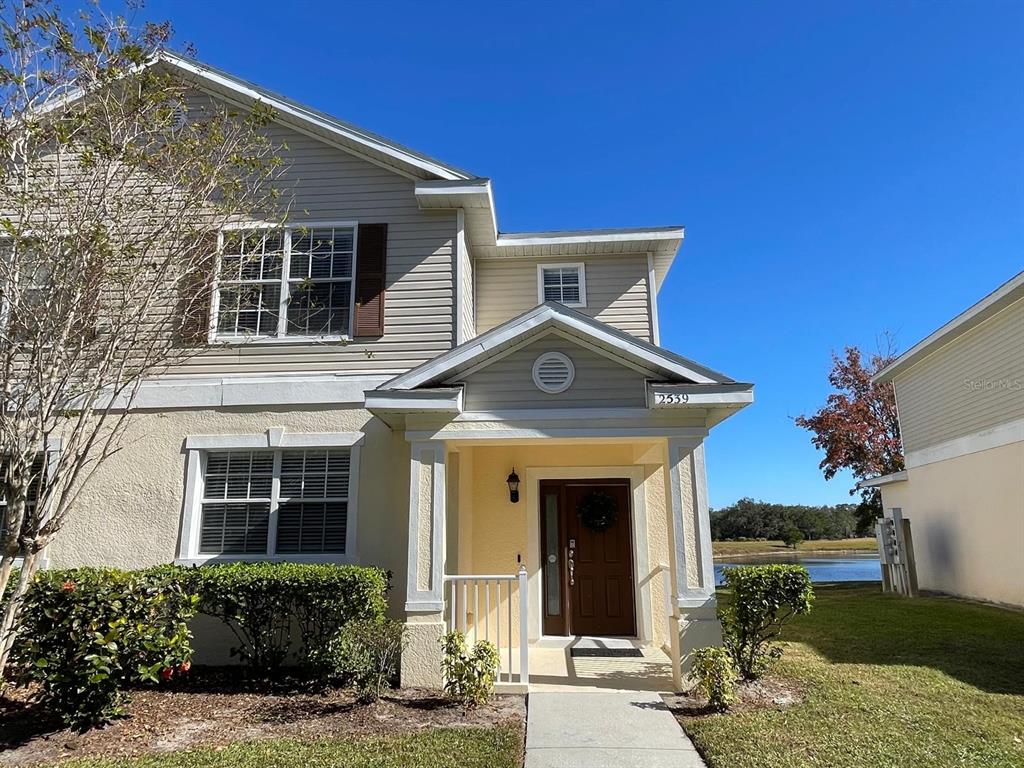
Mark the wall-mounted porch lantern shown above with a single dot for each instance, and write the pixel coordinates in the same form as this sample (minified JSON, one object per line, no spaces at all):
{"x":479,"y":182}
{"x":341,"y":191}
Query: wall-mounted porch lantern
{"x":513,"y":487}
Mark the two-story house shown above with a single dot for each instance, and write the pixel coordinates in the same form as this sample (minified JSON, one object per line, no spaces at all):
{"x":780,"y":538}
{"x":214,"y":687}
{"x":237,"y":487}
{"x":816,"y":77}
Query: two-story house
{"x":487,"y":415}
{"x":960,"y":395}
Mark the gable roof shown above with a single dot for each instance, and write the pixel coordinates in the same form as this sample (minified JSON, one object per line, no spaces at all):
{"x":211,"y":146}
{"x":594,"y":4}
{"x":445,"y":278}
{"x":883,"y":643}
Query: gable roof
{"x":476,"y":199}
{"x":438,"y":184}
{"x":1008,"y":293}
{"x":309,"y":120}
{"x":576,"y":326}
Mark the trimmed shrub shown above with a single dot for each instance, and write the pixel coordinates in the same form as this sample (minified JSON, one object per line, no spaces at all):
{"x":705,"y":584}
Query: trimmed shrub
{"x":764,"y":598}
{"x":366,"y":655}
{"x":468,"y":675}
{"x":86,"y":634}
{"x":287,"y":612}
{"x":715,"y":675}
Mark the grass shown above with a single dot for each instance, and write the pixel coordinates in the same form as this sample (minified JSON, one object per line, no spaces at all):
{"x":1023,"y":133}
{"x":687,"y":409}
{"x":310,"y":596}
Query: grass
{"x":886,"y":681}
{"x":437,"y":748}
{"x":725,"y":548}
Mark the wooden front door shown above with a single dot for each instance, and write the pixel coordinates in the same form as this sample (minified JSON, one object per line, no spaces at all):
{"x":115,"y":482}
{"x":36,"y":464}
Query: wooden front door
{"x":587,"y":570}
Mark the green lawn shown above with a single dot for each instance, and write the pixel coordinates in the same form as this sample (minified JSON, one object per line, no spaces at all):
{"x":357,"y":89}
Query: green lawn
{"x":725,"y":548}
{"x":886,"y":681}
{"x":436,"y":748}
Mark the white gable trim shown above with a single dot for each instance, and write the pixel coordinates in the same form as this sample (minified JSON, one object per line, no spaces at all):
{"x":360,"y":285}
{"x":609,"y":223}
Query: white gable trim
{"x":309,"y":117}
{"x":533,"y":338}
{"x":491,"y":344}
{"x":1001,"y":298}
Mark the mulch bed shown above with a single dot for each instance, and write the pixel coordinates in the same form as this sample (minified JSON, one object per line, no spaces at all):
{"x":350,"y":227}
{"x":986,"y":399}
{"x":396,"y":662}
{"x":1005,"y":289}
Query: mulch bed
{"x":218,"y":709}
{"x":766,"y":693}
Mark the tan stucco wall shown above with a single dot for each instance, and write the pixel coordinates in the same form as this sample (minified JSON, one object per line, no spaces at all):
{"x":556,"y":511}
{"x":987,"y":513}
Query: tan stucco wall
{"x":967,"y":518}
{"x":130,"y":513}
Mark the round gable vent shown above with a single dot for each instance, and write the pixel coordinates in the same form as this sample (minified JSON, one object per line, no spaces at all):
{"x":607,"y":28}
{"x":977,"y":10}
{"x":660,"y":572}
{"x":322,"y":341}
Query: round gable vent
{"x":553,"y":372}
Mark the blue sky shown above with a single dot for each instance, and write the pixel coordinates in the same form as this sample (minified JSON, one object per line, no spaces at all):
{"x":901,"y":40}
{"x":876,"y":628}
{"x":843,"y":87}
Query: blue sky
{"x":842,"y":169}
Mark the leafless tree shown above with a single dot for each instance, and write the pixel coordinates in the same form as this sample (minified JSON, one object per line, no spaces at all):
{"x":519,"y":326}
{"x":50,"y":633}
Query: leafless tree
{"x":115,"y":177}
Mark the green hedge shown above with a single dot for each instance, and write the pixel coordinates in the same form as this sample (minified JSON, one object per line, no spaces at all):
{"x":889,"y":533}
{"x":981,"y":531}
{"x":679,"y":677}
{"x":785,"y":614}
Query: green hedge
{"x":86,"y":634}
{"x":285,"y":613}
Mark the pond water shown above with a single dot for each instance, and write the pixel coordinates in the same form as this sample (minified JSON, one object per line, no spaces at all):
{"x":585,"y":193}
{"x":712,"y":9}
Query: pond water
{"x":823,"y":566}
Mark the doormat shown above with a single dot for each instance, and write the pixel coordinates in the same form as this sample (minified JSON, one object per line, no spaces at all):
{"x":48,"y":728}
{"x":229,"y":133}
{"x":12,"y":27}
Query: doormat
{"x":606,"y":653}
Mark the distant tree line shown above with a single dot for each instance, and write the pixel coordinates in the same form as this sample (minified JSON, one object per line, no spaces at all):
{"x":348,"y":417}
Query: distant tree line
{"x":750,"y":519}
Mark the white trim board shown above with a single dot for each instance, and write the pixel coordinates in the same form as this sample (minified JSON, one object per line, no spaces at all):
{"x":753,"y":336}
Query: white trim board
{"x":983,"y":440}
{"x":274,"y":437}
{"x":540,"y":431}
{"x":460,"y":271}
{"x":876,"y":482}
{"x":652,"y":300}
{"x":214,"y":391}
{"x":447,"y":401}
{"x":569,"y":237}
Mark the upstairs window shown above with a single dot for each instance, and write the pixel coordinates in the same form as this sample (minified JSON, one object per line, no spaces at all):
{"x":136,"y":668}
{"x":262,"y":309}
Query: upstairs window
{"x":564,"y":283}
{"x":290,"y":282}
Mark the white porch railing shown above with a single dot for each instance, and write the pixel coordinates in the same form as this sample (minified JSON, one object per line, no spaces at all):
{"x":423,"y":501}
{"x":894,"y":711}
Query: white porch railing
{"x":482,"y":607}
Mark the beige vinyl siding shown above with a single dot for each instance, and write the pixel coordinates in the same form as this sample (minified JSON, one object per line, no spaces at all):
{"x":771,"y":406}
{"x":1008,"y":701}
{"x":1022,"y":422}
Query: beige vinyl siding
{"x":971,"y":384}
{"x":329,"y":184}
{"x":599,"y":381}
{"x":616,"y":290}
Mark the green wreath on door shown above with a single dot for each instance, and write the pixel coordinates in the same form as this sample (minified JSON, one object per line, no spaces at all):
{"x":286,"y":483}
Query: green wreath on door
{"x":598,"y":511}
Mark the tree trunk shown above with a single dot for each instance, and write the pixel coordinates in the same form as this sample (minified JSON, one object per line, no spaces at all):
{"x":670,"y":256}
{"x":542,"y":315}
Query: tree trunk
{"x":13,"y":605}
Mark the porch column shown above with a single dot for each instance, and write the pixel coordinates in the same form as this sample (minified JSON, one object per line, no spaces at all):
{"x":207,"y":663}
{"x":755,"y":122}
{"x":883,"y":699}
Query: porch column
{"x":694,"y":622}
{"x":424,"y":606}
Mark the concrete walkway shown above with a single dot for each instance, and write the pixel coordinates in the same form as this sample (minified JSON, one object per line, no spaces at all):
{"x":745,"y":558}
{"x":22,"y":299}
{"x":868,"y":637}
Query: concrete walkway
{"x":605,"y":730}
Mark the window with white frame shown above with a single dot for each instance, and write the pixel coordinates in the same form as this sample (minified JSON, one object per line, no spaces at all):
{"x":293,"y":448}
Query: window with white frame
{"x":564,"y":283}
{"x":22,"y":309}
{"x":275,"y":502}
{"x":289,"y":282}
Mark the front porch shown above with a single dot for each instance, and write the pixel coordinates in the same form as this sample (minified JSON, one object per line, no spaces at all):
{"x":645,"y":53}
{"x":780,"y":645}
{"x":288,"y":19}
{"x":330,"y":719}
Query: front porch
{"x":506,"y":575}
{"x":552,"y":667}
{"x":609,"y":535}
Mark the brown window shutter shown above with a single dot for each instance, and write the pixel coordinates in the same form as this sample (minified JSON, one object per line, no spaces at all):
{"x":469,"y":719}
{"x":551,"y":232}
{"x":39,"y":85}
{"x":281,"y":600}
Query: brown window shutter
{"x":197,"y":295}
{"x":371,"y":273}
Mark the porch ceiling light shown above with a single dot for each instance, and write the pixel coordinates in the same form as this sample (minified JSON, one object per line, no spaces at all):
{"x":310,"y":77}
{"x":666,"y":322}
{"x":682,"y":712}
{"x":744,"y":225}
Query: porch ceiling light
{"x":513,"y":486}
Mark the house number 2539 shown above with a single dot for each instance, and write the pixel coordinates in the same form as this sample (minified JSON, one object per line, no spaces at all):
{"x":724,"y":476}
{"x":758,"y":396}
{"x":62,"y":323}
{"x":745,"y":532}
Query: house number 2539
{"x":670,"y":398}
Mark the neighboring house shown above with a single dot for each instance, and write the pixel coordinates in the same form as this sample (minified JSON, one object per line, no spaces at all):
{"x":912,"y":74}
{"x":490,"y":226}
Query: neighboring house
{"x":960,"y":396}
{"x":383,"y":426}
